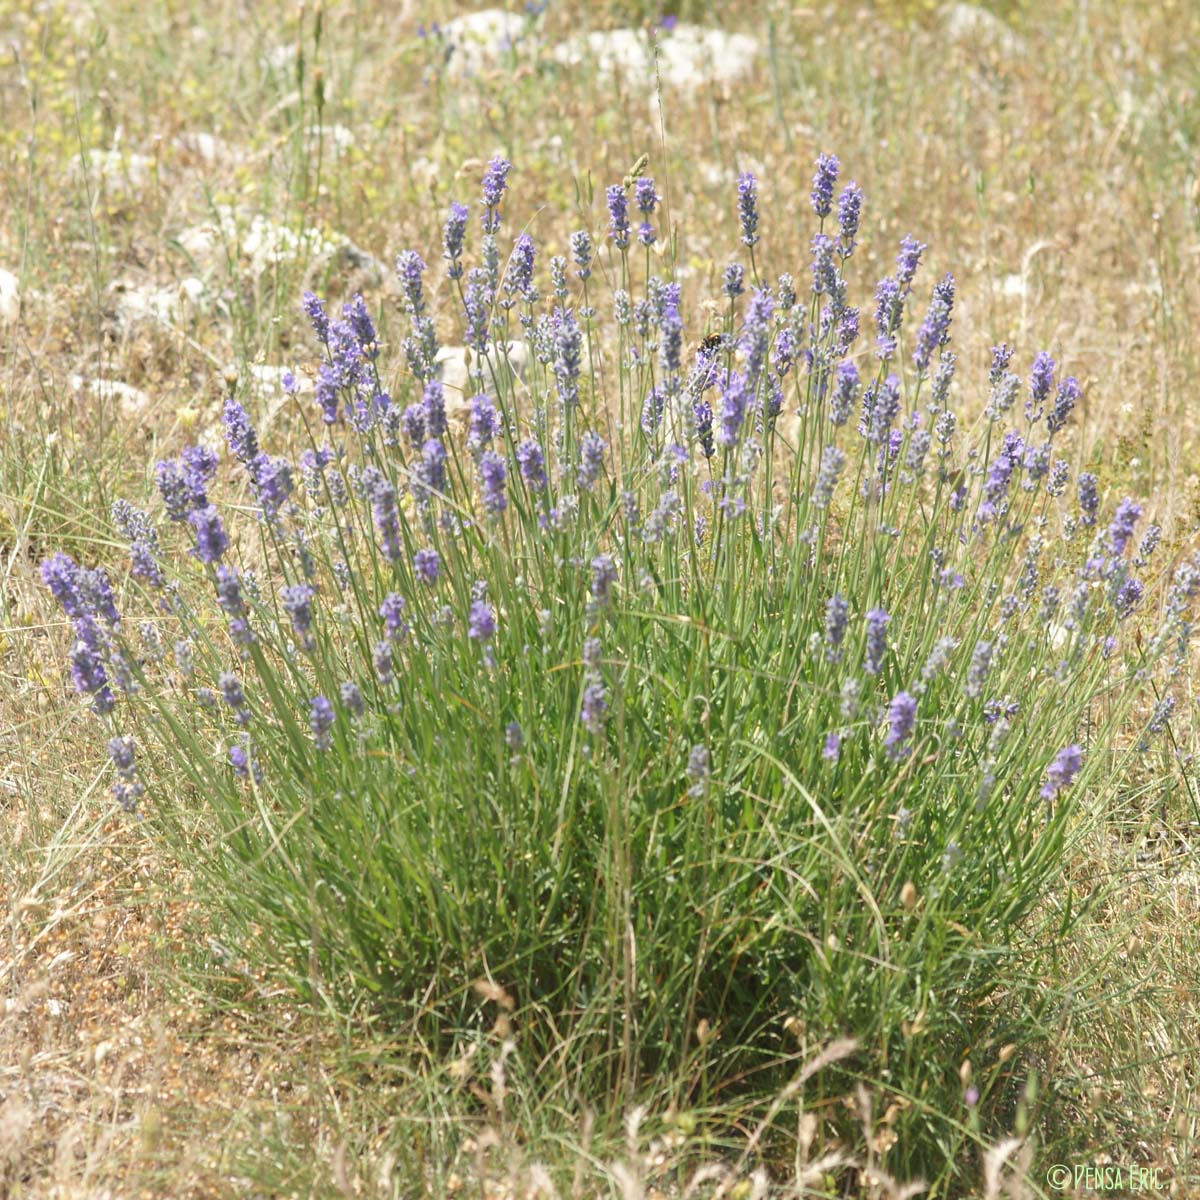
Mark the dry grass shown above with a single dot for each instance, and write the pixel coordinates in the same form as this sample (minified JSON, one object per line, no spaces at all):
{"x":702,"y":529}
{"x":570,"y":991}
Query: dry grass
{"x":1056,"y":175}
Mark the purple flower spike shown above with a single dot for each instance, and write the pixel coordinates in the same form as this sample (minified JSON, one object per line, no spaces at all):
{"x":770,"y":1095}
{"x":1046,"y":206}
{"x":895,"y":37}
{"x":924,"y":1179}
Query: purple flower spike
{"x":645,"y":195}
{"x":823,"y":184}
{"x":877,"y":623}
{"x":1062,"y":771}
{"x":492,"y":480}
{"x":748,"y":208}
{"x":1089,"y":497}
{"x":533,"y":464}
{"x":908,"y":259}
{"x":902,"y":717}
{"x":61,"y":574}
{"x":453,"y":237}
{"x":239,"y":433}
{"x":850,"y":204}
{"x":1123,"y":523}
{"x":321,"y":721}
{"x":297,"y":600}
{"x":935,"y":332}
{"x":211,"y":538}
{"x":482,"y":623}
{"x":427,"y":564}
{"x":485,"y":422}
{"x":618,"y":216}
{"x":1041,"y":378}
{"x":591,"y":459}
{"x":312,"y":305}
{"x":392,"y":611}
{"x":495,"y":181}
{"x":594,"y":708}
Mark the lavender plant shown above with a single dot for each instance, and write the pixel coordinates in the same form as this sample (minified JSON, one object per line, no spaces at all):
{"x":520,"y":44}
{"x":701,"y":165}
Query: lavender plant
{"x":555,"y":692}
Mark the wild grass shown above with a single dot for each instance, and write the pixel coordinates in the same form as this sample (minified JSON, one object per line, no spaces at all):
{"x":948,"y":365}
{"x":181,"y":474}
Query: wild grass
{"x":1060,"y":190}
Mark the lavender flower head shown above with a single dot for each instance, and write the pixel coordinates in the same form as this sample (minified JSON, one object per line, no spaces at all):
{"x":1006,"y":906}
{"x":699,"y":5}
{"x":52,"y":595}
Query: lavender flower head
{"x":604,"y":575}
{"x":427,"y":565}
{"x":410,"y":266}
{"x":618,"y":216}
{"x":1121,"y":529}
{"x":747,"y":188}
{"x":393,"y":610}
{"x":495,"y":180}
{"x":935,"y":332}
{"x":833,"y":461}
{"x":594,"y":708}
{"x":981,"y":663}
{"x":136,"y":525}
{"x":297,"y":600}
{"x":734,"y":402}
{"x":581,"y":252}
{"x":1068,"y":395}
{"x":1062,"y":771}
{"x":453,"y":237}
{"x":1089,"y":497}
{"x":845,"y":393}
{"x":533,"y":465}
{"x":482,"y":622}
{"x":493,"y":477}
{"x":321,"y":721}
{"x":519,"y":277}
{"x":902,"y":716}
{"x":877,"y":623}
{"x":1041,"y":381}
{"x":485,"y":422}
{"x":699,"y":771}
{"x":432,"y":411}
{"x":311,"y":303}
{"x":591,"y":459}
{"x":908,"y":260}
{"x":352,"y":698}
{"x":240,"y":433}
{"x":646,"y":197}
{"x":837,"y":614}
{"x":823,"y":184}
{"x":850,"y":204}
{"x":211,"y":538}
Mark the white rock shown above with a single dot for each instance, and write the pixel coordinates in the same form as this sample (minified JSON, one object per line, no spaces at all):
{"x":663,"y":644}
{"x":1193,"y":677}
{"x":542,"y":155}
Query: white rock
{"x":1059,"y":635}
{"x":341,"y":138}
{"x":10,"y":297}
{"x":456,"y":379}
{"x":279,"y":58}
{"x":481,"y":38}
{"x":255,"y":237}
{"x":968,"y":24}
{"x":265,"y":243}
{"x":115,"y":172}
{"x":162,"y":305}
{"x":207,"y":148}
{"x":203,"y":244}
{"x":689,"y":55}
{"x":268,"y":381}
{"x":623,"y":52}
{"x":131,"y":401}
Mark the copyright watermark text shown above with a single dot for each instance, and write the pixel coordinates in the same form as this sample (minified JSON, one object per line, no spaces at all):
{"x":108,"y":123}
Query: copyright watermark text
{"x":1111,"y":1177}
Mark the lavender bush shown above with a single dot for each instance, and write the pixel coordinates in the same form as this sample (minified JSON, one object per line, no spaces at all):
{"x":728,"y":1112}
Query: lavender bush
{"x":731,"y":683}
